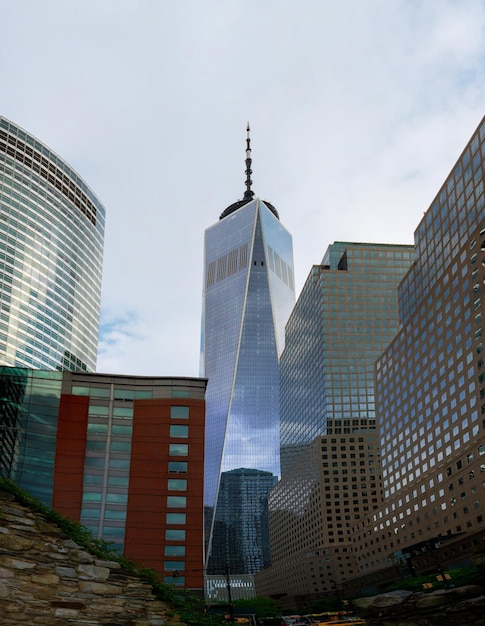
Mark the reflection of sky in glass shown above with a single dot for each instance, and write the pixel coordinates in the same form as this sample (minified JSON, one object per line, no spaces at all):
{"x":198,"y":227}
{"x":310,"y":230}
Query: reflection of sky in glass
{"x":51,"y":247}
{"x":245,"y":309}
{"x":37,"y":406}
{"x":344,"y":318}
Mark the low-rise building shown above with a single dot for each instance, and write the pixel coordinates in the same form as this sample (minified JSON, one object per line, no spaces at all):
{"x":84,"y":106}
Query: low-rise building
{"x":123,"y":455}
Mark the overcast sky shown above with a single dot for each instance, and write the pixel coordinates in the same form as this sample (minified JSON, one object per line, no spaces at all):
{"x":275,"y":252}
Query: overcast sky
{"x":358,"y":111}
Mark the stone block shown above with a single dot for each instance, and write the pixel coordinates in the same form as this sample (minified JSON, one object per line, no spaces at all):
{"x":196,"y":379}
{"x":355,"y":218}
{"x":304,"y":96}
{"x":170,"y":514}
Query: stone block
{"x":4,"y":590}
{"x":6,"y":573}
{"x":66,"y":613}
{"x":15,"y":543}
{"x":8,"y":561}
{"x":92,"y":572}
{"x":81,"y":556}
{"x":12,"y":510}
{"x":68,"y":572}
{"x":21,"y":521}
{"x":90,"y":586}
{"x":110,"y":564}
{"x":45,"y":579}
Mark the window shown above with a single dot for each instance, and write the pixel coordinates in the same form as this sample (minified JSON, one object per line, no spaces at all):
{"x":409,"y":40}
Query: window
{"x":80,"y":391}
{"x":171,"y":534}
{"x":176,"y":484}
{"x":174,"y":502}
{"x":100,"y":392}
{"x":174,"y":550}
{"x":180,"y":393}
{"x":125,"y":412}
{"x":91,"y":497}
{"x":176,"y":518}
{"x":121,"y":430}
{"x":120,"y":446}
{"x":118,"y":481}
{"x":177,"y":467}
{"x":97,"y":429}
{"x":98,"y":410}
{"x":117,"y":498}
{"x":174,"y":580}
{"x":177,"y":430}
{"x":179,"y":412}
{"x":178,"y":449}
{"x":124,"y":394}
{"x":173,"y":565}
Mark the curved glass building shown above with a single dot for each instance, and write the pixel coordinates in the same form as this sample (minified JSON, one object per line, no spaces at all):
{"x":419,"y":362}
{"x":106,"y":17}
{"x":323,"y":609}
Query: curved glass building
{"x":51,"y":253}
{"x":248,"y":296}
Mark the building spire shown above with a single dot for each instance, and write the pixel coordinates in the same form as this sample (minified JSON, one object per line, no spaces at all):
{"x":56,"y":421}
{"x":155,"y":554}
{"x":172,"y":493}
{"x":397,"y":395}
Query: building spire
{"x":249,"y":193}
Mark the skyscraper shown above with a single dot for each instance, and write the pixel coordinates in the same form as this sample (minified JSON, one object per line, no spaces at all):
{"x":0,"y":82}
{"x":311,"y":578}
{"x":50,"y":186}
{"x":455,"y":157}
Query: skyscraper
{"x":430,"y":390}
{"x":248,"y":295}
{"x":243,"y":512}
{"x":345,"y":316}
{"x":51,"y":252}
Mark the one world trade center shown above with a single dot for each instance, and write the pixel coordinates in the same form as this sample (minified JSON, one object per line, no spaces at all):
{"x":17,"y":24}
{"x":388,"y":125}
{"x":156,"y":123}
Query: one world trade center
{"x":248,"y":295}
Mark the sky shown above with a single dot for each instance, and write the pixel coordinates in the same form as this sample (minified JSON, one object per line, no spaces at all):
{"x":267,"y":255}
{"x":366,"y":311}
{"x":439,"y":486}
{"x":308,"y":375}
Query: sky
{"x":358,"y":111}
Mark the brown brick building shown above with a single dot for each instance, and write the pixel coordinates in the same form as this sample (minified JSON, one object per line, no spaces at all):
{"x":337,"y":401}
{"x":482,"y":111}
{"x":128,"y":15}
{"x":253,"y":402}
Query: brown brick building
{"x":123,"y":455}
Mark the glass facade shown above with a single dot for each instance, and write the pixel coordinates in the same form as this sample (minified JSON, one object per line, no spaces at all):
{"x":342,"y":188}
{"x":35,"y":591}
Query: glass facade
{"x":242,"y":512}
{"x":344,"y":318}
{"x":248,"y":295}
{"x":29,"y":408}
{"x":51,"y":248}
{"x":431,"y":380}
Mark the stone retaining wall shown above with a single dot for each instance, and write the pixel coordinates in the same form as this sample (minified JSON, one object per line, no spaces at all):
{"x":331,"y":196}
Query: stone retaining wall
{"x":47,"y":579}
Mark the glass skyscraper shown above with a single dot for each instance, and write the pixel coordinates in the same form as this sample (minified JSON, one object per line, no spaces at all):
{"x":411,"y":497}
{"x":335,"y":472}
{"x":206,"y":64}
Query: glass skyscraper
{"x":248,"y":295}
{"x":345,"y":316}
{"x":243,"y":512}
{"x":430,"y":389}
{"x":51,"y":252}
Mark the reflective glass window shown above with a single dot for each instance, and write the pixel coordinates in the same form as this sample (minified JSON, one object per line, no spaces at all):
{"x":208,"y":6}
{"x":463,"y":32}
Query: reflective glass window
{"x":178,"y":430}
{"x":177,"y":467}
{"x":173,"y":534}
{"x":179,"y":412}
{"x":176,"y":502}
{"x":176,"y":518}
{"x":177,"y":484}
{"x":178,"y":449}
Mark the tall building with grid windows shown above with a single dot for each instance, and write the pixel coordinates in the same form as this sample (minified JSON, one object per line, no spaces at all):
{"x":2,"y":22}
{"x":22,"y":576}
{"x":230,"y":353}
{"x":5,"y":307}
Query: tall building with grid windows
{"x":248,"y":295}
{"x":430,"y":392}
{"x":51,"y":254}
{"x":243,"y":512}
{"x":122,"y":455}
{"x":345,"y":316}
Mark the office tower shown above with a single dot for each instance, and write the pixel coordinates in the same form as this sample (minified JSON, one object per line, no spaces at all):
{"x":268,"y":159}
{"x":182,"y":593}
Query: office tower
{"x":123,"y":455}
{"x":430,"y":385}
{"x":242,"y":512}
{"x":248,"y":294}
{"x":345,"y":316}
{"x":51,"y":249}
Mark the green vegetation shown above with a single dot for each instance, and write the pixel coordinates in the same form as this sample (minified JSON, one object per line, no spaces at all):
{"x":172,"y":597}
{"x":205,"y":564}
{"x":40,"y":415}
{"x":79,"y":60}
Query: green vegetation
{"x":264,"y":607}
{"x":189,"y":607}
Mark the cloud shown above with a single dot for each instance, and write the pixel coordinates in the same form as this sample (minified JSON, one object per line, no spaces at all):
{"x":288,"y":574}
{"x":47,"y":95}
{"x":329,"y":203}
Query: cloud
{"x":358,"y":111}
